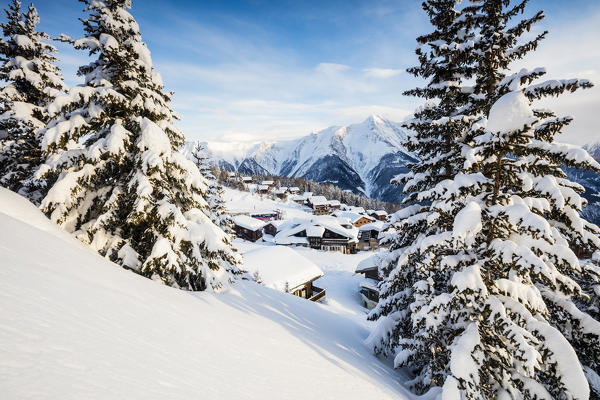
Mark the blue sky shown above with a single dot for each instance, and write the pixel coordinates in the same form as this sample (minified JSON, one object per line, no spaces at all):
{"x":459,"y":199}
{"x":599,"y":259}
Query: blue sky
{"x":253,"y":70}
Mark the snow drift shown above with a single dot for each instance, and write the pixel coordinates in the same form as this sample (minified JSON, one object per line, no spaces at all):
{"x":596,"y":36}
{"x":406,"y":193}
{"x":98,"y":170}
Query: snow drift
{"x":75,"y":326}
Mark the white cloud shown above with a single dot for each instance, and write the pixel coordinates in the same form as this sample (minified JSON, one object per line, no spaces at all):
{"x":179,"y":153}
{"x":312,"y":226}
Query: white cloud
{"x":571,"y":51}
{"x":382,"y":73}
{"x":331,"y":68}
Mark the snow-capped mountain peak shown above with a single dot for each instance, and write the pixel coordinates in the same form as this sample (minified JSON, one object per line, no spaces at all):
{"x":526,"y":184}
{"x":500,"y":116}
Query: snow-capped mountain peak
{"x":351,"y":157}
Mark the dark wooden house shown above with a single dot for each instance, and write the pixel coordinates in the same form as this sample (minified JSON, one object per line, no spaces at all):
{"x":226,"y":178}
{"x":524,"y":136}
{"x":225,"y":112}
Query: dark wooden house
{"x":247,"y":228}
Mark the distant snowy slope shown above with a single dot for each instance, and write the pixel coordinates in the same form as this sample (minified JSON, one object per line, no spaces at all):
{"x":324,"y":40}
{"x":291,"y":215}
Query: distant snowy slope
{"x":360,"y":157}
{"x":75,"y":326}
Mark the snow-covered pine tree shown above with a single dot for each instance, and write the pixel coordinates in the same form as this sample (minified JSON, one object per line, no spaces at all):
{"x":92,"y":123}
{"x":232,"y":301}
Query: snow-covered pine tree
{"x":482,"y":294}
{"x":217,"y":211}
{"x":117,"y":178}
{"x":32,"y":81}
{"x":412,"y":312}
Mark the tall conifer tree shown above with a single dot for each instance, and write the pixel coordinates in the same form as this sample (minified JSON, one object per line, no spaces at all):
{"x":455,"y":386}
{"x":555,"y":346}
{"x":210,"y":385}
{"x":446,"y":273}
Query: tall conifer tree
{"x":32,"y":81}
{"x":118,"y":180}
{"x":217,"y":211}
{"x":483,"y":295}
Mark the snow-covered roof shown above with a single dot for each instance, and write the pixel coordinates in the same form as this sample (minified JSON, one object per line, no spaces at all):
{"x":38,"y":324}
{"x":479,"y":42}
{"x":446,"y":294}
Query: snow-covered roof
{"x":369,"y":264}
{"x":380,"y":212}
{"x":263,"y":187}
{"x":334,"y":202}
{"x":357,"y":210}
{"x":277,"y":223}
{"x":248,"y":222}
{"x":352,"y":216}
{"x":267,"y":183}
{"x":294,"y":189}
{"x":345,"y":222}
{"x":315,"y":231}
{"x":369,"y":283}
{"x":280,"y":191}
{"x":373,"y":226}
{"x":334,"y":226}
{"x":246,"y":178}
{"x":285,"y":232}
{"x":277,"y":265}
{"x":318,"y":201}
{"x":290,"y":240}
{"x":298,"y":197}
{"x":315,"y":227}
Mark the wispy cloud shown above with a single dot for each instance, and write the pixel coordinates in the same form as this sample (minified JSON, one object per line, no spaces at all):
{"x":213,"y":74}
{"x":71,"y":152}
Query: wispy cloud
{"x":382,"y":73}
{"x":265,"y":71}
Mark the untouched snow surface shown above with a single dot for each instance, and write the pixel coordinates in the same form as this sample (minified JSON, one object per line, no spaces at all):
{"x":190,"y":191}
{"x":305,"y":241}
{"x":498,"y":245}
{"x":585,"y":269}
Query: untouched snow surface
{"x":75,"y":326}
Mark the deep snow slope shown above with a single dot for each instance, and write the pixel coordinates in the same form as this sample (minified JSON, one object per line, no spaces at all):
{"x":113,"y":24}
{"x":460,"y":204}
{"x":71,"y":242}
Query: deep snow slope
{"x":75,"y":326}
{"x":360,"y":157}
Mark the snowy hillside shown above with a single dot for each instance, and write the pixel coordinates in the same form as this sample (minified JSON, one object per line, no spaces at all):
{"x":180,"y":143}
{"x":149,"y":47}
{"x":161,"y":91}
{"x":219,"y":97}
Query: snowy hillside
{"x":351,"y":157}
{"x":74,"y":326}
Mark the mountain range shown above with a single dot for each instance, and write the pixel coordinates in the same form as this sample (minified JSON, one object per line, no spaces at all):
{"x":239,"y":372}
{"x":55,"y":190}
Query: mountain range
{"x":361,"y":158}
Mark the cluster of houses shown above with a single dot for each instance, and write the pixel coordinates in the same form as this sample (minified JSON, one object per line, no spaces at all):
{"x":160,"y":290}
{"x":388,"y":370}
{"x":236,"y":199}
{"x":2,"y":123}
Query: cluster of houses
{"x":345,"y":230}
{"x":331,"y":227}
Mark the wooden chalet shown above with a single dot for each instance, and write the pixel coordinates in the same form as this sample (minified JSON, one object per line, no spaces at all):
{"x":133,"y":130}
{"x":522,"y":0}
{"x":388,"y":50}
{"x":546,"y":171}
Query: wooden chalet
{"x":368,"y":235}
{"x":334,"y":205}
{"x":273,"y":227}
{"x":281,"y":193}
{"x":380,"y":215}
{"x":263,"y":189}
{"x":294,"y":190}
{"x":356,"y":219}
{"x":284,"y":269}
{"x":319,"y":204}
{"x":323,"y":233}
{"x":247,"y":228}
{"x":369,"y":291}
{"x":298,"y":199}
{"x":328,"y":239}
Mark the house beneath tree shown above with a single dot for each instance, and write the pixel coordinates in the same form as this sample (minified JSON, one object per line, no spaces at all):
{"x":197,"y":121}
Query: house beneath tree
{"x":369,"y":291}
{"x":368,"y":235}
{"x":284,"y":269}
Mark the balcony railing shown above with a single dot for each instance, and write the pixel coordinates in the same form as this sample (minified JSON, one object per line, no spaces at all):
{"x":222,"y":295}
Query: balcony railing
{"x":318,"y":294}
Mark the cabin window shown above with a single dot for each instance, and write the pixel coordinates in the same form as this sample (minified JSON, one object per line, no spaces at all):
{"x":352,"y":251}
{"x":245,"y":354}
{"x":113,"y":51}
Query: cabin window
{"x":301,"y":293}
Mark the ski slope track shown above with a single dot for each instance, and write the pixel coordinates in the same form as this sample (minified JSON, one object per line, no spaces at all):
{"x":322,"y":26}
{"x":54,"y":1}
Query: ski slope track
{"x":76,"y":326}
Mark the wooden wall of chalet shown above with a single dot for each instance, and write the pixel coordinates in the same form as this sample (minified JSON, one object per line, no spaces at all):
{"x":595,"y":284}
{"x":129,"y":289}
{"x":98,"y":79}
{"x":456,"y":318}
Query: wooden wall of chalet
{"x":247,"y":234}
